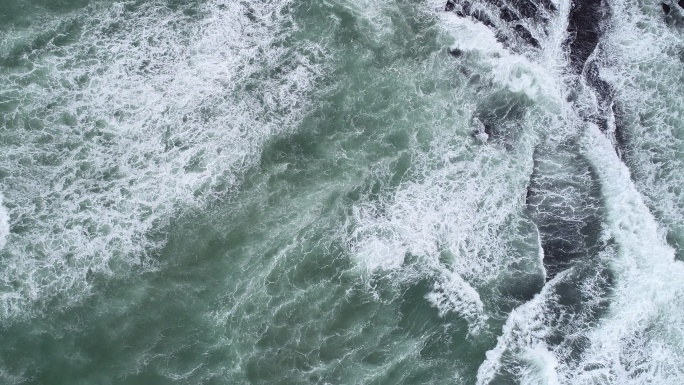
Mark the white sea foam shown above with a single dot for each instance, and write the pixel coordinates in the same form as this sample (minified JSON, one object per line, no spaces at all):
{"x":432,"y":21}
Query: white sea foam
{"x":543,"y":364}
{"x":643,"y":61}
{"x":641,"y":339}
{"x":4,"y":224}
{"x":146,"y":111}
{"x":537,"y":77}
{"x":436,"y":226}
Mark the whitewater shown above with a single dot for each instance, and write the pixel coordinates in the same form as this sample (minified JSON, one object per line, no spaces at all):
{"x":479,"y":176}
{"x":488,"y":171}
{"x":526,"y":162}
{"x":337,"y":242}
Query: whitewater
{"x":341,"y":192}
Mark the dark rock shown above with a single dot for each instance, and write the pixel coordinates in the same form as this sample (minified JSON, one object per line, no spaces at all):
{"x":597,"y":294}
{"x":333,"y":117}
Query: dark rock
{"x":467,"y":7}
{"x":525,"y":8}
{"x":564,"y":200}
{"x":666,"y":7}
{"x":482,"y":17}
{"x":450,"y":5}
{"x":621,"y":136}
{"x":585,"y":30}
{"x":603,"y":90}
{"x":490,"y":131}
{"x":500,"y":116}
{"x":455,"y":52}
{"x":681,"y":3}
{"x":508,"y":15}
{"x":526,"y":35}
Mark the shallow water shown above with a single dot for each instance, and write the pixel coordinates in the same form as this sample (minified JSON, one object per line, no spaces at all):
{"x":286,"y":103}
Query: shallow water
{"x":337,"y":192}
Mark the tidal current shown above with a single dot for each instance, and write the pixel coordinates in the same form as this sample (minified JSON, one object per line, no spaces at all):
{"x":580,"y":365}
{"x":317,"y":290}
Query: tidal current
{"x":342,"y":192}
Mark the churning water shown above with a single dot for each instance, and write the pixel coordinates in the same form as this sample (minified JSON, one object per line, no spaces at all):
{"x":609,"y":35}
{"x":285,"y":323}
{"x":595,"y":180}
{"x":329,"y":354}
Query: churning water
{"x":341,"y":192}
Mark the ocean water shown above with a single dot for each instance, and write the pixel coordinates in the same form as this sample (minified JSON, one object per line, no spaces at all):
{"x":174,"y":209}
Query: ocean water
{"x":341,"y":192}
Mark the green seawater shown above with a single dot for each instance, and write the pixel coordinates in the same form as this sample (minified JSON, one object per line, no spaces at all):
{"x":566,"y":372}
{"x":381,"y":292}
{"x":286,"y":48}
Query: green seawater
{"x":248,"y":278}
{"x":320,"y":192}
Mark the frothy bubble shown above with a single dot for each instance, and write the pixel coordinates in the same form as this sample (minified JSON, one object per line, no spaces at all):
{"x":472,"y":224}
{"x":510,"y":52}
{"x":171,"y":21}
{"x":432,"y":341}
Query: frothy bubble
{"x":4,"y":224}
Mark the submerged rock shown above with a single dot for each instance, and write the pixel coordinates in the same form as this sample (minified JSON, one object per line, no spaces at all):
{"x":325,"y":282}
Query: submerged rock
{"x":585,"y":29}
{"x":564,"y":200}
{"x":500,"y":118}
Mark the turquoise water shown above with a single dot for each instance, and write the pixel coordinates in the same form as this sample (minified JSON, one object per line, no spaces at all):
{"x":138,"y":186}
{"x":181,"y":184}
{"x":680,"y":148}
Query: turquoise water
{"x":274,"y":192}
